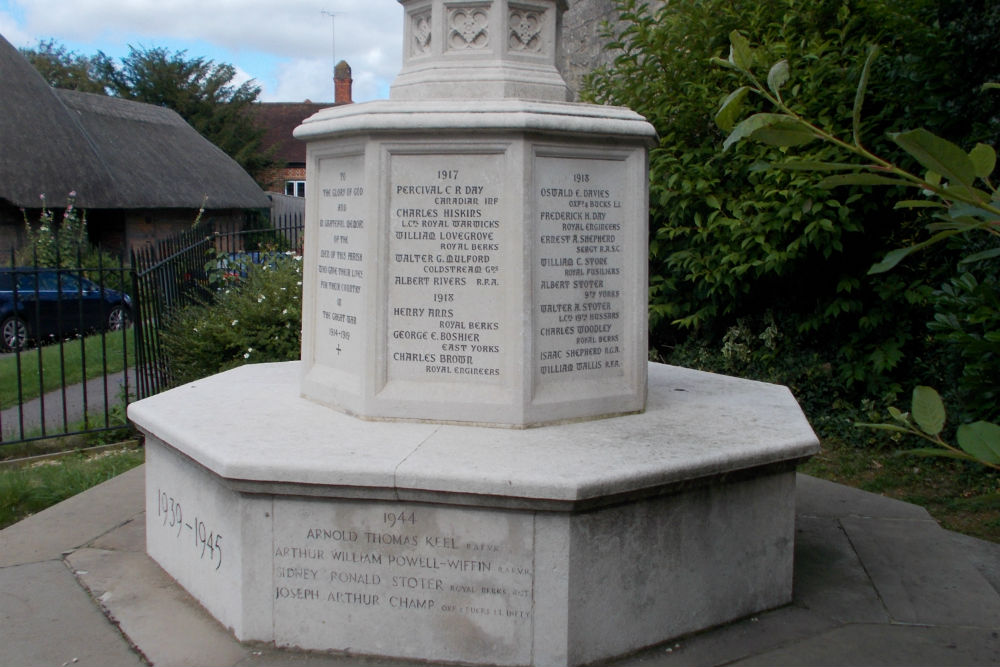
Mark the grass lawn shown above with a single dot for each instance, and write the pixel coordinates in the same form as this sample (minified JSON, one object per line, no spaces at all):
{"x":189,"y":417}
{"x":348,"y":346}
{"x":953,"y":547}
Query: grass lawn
{"x":27,"y":489}
{"x":63,"y":363}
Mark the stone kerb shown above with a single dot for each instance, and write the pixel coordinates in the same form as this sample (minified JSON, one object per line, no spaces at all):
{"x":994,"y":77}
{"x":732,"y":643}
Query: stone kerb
{"x":472,"y":263}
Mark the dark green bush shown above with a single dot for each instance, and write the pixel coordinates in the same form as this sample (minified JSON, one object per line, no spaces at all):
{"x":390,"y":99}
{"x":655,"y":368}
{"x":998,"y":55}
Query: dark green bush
{"x":732,"y":238}
{"x":256,"y":317}
{"x":967,"y":320}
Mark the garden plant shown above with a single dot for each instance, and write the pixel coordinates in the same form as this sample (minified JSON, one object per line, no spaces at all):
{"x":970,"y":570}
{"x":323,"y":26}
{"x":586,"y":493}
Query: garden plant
{"x":760,"y":267}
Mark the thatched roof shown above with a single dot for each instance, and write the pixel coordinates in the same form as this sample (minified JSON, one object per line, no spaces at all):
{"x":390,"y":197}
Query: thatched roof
{"x":114,"y":153}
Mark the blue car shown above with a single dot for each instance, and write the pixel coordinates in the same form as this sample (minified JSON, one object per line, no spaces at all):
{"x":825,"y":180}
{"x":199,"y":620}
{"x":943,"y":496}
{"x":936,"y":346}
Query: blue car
{"x":36,"y":304}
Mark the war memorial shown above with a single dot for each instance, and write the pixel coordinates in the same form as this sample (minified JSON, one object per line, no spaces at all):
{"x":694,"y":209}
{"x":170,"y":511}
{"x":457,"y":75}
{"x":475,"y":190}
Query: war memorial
{"x":473,"y":461}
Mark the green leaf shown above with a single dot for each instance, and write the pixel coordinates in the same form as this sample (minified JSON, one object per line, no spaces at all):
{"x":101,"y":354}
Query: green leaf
{"x":980,"y":256}
{"x":935,"y":451}
{"x":937,"y":154}
{"x":730,"y":109}
{"x":898,"y":415}
{"x":789,"y":132}
{"x":984,"y":160}
{"x":860,"y":179}
{"x":990,"y":86}
{"x":894,"y":257}
{"x":982,"y":440}
{"x":770,"y":128}
{"x":965,"y":193}
{"x":883,"y":427}
{"x":740,"y":53}
{"x":928,"y":410}
{"x":955,"y":225}
{"x":891,"y":259}
{"x":777,"y":76}
{"x":748,"y":126}
{"x":812,"y":165}
{"x":918,"y":203}
{"x":716,"y":60}
{"x":859,"y":95}
{"x":961,"y":210}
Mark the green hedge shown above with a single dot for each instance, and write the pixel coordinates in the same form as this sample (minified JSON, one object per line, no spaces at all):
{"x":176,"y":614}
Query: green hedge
{"x":736,"y":241}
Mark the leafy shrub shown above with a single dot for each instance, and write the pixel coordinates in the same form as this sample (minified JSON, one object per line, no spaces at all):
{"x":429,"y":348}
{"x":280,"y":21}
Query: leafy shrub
{"x":967,"y":321}
{"x":730,"y":238}
{"x":255,"y":317}
{"x":64,"y":243}
{"x":954,"y":184}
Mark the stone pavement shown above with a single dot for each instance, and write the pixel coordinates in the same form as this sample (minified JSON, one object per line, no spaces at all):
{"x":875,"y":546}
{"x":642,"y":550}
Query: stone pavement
{"x":877,"y":582}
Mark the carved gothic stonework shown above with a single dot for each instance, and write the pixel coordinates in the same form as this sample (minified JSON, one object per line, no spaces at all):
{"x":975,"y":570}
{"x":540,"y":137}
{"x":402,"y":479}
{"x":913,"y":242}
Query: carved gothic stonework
{"x":421,"y":31}
{"x":481,"y":49}
{"x":526,"y":30}
{"x":468,"y":28}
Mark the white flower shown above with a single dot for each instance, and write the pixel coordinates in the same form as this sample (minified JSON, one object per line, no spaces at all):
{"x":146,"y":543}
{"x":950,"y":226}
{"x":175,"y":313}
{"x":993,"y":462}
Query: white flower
{"x":261,"y":298}
{"x":234,"y":323}
{"x":283,"y":312}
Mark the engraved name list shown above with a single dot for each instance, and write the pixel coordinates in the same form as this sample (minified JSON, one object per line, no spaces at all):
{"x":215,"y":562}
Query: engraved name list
{"x":445,"y":274}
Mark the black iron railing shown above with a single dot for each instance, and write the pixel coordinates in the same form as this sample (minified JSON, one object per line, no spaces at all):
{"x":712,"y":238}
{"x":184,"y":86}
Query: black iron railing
{"x":81,"y":337}
{"x":176,"y":272}
{"x":66,"y":346}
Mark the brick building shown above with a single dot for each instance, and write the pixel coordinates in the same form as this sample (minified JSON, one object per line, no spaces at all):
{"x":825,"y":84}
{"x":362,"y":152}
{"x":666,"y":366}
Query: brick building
{"x":280,"y":119}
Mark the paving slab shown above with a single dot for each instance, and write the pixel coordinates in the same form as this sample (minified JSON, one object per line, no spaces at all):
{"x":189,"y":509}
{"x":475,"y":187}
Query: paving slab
{"x":742,"y":639}
{"x":984,"y":556}
{"x":864,"y":563}
{"x":919,"y":574}
{"x":75,"y":521}
{"x":166,"y":623}
{"x":822,"y":498}
{"x":46,"y":619}
{"x":830,"y":579}
{"x":130,"y":536}
{"x":888,"y":645}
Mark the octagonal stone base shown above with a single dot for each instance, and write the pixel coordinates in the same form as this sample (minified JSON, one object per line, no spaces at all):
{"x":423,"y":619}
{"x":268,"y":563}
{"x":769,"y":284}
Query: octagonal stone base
{"x":561,"y":545}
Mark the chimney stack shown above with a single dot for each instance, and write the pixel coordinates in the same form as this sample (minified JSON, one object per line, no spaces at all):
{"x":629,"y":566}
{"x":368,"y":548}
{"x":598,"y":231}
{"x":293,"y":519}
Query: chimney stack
{"x":342,"y":83}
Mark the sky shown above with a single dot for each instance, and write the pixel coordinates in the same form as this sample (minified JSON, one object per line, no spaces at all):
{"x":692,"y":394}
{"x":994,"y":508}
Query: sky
{"x":287,"y":47}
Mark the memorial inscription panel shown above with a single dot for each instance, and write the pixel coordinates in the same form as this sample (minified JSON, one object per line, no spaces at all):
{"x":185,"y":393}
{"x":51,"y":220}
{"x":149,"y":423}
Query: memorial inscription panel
{"x":579,"y":269}
{"x":461,"y":578}
{"x":341,"y":239}
{"x":446,"y":275}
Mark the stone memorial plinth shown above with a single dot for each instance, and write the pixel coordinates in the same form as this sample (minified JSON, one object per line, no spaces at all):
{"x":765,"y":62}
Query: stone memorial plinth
{"x":561,"y":545}
{"x":473,"y":462}
{"x":479,"y":243}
